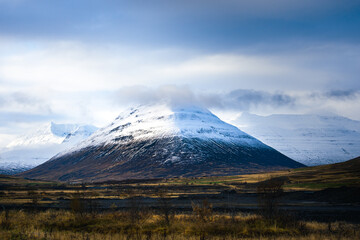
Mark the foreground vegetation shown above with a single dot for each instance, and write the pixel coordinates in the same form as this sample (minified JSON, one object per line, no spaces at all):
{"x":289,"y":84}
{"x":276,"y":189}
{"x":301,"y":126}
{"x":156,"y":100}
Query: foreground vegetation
{"x":310,"y":203}
{"x":134,"y":224}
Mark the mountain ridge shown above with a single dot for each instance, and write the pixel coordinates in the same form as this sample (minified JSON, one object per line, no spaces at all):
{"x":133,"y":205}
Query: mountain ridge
{"x":310,"y":139}
{"x":162,"y":141}
{"x":40,"y":145}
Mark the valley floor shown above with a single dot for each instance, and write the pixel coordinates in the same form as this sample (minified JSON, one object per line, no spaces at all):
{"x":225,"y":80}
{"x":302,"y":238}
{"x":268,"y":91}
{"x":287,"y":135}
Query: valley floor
{"x":311,"y":203}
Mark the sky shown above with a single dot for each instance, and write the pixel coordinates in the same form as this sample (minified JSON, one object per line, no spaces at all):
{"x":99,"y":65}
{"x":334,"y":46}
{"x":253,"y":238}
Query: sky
{"x":84,"y":61}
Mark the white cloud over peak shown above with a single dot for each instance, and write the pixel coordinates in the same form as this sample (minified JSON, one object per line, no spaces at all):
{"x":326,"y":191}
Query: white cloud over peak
{"x":81,"y":82}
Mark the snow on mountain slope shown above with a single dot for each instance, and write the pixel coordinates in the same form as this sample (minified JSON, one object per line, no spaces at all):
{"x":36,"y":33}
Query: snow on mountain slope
{"x":40,"y":145}
{"x":159,"y":121}
{"x":161,"y":141}
{"x":309,"y":139}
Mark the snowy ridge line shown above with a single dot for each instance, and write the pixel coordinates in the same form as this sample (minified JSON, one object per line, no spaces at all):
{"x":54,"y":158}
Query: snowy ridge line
{"x":309,"y":139}
{"x":40,"y":145}
{"x":163,"y":121}
{"x":52,"y":133}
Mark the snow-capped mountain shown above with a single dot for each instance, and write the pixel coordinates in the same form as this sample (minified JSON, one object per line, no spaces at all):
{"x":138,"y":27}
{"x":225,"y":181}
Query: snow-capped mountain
{"x":161,"y":121}
{"x":40,"y":145}
{"x":309,"y":139}
{"x":162,"y":141}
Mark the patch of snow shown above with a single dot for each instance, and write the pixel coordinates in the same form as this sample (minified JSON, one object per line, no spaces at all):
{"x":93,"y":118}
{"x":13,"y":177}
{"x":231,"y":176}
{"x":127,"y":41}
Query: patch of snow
{"x":309,"y":139}
{"x":173,"y":159}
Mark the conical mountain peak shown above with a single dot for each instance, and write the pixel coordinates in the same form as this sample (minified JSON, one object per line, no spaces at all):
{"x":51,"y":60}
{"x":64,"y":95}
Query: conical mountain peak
{"x":160,"y":121}
{"x":162,"y":141}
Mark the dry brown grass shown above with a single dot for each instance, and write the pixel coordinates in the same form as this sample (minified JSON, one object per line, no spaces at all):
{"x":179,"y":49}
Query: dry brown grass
{"x":58,"y":225}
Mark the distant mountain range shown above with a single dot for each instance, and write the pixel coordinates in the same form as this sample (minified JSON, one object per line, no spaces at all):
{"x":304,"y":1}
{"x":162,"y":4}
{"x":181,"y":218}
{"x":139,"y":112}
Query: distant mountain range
{"x":177,"y":132}
{"x":309,"y":139}
{"x":161,"y":141}
{"x":40,"y":145}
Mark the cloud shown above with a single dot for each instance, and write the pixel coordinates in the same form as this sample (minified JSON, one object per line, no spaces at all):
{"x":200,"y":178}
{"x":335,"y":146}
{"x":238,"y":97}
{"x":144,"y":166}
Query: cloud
{"x":20,"y":110}
{"x":9,"y":118}
{"x":245,"y":99}
{"x":170,"y":94}
{"x":68,"y":58}
{"x":240,"y":99}
{"x":78,"y":80}
{"x":342,"y":94}
{"x":75,"y":66}
{"x":339,"y":95}
{"x":2,"y":101}
{"x":261,"y":8}
{"x":23,"y":102}
{"x":206,"y":24}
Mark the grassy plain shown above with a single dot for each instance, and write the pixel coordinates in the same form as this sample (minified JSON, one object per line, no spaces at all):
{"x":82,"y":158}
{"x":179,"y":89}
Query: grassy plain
{"x":315,"y":203}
